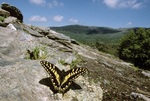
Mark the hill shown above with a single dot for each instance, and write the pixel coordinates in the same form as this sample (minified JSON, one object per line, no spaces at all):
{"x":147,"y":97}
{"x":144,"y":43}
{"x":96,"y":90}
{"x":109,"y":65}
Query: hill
{"x":92,"y":33}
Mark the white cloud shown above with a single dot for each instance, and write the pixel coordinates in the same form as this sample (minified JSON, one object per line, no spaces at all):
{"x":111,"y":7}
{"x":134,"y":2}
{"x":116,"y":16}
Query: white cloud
{"x":58,"y":18}
{"x":55,"y":3}
{"x":137,"y":5}
{"x":129,"y":23}
{"x":111,"y":3}
{"x":38,"y":2}
{"x":37,"y":18}
{"x":123,"y":4}
{"x":73,"y":20}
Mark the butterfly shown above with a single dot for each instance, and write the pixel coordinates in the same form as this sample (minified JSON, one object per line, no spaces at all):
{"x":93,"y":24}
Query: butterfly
{"x":62,"y":80}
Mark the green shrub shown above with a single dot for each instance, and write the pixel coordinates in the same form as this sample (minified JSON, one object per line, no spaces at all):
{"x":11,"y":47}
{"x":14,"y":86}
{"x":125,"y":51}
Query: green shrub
{"x":2,"y":18}
{"x":135,"y":48}
{"x":35,"y":54}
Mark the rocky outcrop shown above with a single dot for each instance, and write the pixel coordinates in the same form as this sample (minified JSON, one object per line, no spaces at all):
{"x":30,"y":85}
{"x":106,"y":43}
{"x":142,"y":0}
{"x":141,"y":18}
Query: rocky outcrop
{"x":42,"y":30}
{"x":4,"y":13}
{"x":27,"y":79}
{"x":15,"y":12}
{"x":10,"y":20}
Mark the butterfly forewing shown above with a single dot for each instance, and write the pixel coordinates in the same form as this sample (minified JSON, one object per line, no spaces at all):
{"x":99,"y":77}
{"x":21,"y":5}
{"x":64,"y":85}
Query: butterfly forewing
{"x":71,"y":75}
{"x":54,"y":73}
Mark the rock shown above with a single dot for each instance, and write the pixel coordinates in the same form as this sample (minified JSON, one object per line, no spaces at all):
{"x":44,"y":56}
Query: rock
{"x":4,"y":13}
{"x":42,"y":30}
{"x":15,"y":12}
{"x":74,"y":42}
{"x":32,"y":32}
{"x":10,"y":26}
{"x":146,"y":73}
{"x":58,"y":36}
{"x":3,"y":24}
{"x":17,"y":26}
{"x":108,"y":65}
{"x":25,"y":79}
{"x":65,"y":40}
{"x":70,"y":59}
{"x":10,"y":20}
{"x":137,"y":95}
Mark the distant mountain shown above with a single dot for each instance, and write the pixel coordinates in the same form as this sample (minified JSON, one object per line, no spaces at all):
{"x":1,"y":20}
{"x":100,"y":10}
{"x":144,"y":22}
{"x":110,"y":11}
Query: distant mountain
{"x":92,"y":33}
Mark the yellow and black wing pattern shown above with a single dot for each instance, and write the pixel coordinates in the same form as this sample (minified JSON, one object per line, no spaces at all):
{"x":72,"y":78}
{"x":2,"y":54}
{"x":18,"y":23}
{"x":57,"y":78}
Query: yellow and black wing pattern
{"x":62,"y":80}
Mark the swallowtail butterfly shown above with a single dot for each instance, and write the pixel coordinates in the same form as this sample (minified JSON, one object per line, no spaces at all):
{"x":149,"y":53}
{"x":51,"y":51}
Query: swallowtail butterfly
{"x":62,"y":80}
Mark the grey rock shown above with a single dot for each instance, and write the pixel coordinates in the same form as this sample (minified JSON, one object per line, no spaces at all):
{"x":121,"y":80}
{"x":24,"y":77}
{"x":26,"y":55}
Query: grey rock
{"x":21,"y":79}
{"x":108,"y":65}
{"x":84,"y":52}
{"x":146,"y":73}
{"x":43,"y":30}
{"x":58,"y":36}
{"x":17,"y":26}
{"x":3,"y":24}
{"x":10,"y":19}
{"x":117,"y":69}
{"x":134,"y":95}
{"x":15,"y":12}
{"x":70,"y":59}
{"x":4,"y":13}
{"x":11,"y":26}
{"x":32,"y":32}
{"x":65,"y":40}
{"x":74,"y":42}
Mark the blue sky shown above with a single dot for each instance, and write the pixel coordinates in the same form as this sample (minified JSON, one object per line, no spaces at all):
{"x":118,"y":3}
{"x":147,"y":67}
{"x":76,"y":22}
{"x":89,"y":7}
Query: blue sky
{"x":102,"y":13}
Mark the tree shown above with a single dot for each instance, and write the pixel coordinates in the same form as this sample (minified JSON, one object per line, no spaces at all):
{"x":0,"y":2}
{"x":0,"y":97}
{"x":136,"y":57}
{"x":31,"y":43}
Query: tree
{"x":135,"y":48}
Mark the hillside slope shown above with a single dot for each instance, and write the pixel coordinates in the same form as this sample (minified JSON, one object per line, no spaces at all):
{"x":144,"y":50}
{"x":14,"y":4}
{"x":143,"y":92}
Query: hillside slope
{"x":93,"y":33}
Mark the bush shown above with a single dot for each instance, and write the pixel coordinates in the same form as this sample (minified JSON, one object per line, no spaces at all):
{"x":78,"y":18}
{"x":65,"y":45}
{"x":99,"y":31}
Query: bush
{"x":135,"y":48}
{"x":2,"y":18}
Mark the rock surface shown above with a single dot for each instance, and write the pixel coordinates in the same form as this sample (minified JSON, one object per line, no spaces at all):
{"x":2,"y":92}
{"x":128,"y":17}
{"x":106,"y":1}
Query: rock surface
{"x":15,"y":12}
{"x":23,"y":79}
{"x":4,"y":13}
{"x":10,"y":20}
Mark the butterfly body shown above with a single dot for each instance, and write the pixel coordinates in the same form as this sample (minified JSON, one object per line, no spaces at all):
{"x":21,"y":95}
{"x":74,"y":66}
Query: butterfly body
{"x":61,"y":80}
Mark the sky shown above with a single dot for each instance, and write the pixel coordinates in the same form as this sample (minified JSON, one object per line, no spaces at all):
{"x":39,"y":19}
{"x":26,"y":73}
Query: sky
{"x":102,"y":13}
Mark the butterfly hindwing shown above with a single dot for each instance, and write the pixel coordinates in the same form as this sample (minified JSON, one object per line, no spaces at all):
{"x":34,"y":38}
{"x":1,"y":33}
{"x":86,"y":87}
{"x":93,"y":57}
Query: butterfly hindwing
{"x":62,"y":80}
{"x":70,"y":76}
{"x":54,"y":73}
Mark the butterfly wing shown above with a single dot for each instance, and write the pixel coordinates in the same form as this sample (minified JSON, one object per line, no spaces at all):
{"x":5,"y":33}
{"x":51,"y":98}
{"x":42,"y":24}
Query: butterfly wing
{"x":70,"y":76}
{"x":54,"y":73}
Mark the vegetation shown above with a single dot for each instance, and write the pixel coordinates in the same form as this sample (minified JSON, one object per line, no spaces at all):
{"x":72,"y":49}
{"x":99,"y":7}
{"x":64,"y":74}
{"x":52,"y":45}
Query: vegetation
{"x":104,"y":47}
{"x":35,"y":54}
{"x":135,"y":48}
{"x":102,"y":38}
{"x":132,"y":47}
{"x":26,"y":31}
{"x":93,"y":33}
{"x":2,"y":18}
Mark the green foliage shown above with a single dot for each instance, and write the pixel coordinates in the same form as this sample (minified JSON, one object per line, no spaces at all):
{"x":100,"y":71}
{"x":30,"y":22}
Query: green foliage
{"x":61,"y":61}
{"x":35,"y":54}
{"x":135,"y":48}
{"x":95,"y":81}
{"x":2,"y":18}
{"x":104,"y":47}
{"x":91,"y":33}
{"x":115,"y":86}
{"x":26,"y":31}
